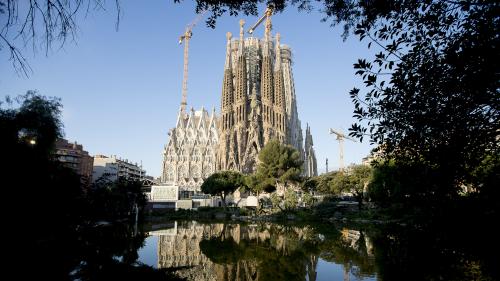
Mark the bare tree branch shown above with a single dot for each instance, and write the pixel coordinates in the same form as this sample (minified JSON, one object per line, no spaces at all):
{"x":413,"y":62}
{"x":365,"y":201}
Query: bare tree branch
{"x":18,"y":61}
{"x":41,"y":21}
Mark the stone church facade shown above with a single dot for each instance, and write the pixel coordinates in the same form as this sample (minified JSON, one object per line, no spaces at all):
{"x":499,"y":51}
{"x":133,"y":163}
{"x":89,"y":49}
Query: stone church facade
{"x":258,"y":102}
{"x":189,"y":156}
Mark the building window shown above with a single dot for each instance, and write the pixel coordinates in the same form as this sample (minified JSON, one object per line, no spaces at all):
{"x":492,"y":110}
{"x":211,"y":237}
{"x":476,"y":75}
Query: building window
{"x":184,"y":194}
{"x":195,"y":172}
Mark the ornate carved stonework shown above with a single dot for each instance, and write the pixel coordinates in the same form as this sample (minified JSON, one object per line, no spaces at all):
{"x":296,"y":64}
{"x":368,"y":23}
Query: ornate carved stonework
{"x":164,"y":193}
{"x":189,"y":156}
{"x":258,"y":102}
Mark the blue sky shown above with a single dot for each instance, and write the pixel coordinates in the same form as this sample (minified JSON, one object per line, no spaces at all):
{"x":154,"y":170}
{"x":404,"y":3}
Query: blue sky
{"x":121,"y":90}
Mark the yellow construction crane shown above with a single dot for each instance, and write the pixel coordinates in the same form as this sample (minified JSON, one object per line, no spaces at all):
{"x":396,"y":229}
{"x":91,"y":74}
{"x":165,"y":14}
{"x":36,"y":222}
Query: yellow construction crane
{"x":267,"y":15}
{"x":340,"y":138}
{"x":185,"y":37}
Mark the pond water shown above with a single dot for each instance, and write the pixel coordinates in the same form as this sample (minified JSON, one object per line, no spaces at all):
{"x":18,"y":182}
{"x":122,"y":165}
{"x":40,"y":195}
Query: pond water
{"x":263,"y":251}
{"x":190,"y":250}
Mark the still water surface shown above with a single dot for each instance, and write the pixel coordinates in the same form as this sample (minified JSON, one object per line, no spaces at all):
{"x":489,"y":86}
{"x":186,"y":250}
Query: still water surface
{"x":270,"y":251}
{"x":259,"y":251}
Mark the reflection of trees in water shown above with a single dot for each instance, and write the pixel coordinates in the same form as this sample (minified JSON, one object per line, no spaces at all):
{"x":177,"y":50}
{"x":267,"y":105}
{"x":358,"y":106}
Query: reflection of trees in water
{"x":274,"y":252}
{"x":93,"y":252}
{"x":436,"y":253}
{"x":261,"y":251}
{"x":110,"y":252}
{"x":268,"y":251}
{"x":440,"y":249}
{"x":349,"y":248}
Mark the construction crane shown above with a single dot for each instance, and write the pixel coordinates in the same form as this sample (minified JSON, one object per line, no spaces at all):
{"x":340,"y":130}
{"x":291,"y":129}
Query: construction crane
{"x":340,"y":138}
{"x":185,"y":38}
{"x":267,"y":15}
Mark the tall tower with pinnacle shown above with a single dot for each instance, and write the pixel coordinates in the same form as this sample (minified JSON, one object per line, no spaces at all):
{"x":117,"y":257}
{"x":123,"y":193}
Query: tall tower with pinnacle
{"x":310,"y":164}
{"x":258,"y":101}
{"x":280,"y":119}
{"x":225,"y":155}
{"x":267,"y":87}
{"x":241,"y":98}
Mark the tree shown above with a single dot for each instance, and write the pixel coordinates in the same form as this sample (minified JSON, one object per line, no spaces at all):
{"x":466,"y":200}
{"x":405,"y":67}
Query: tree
{"x":254,"y":184}
{"x":322,"y":183}
{"x":112,"y":200}
{"x":308,"y":199}
{"x":276,"y":200}
{"x":291,"y":199}
{"x":405,"y":184}
{"x":223,"y":183}
{"x":55,"y":20}
{"x":35,"y":125}
{"x":51,"y":194}
{"x":432,"y":94}
{"x":348,"y":12}
{"x":69,"y":245}
{"x":310,"y":184}
{"x":278,"y":163}
{"x":257,"y":185}
{"x":357,"y":181}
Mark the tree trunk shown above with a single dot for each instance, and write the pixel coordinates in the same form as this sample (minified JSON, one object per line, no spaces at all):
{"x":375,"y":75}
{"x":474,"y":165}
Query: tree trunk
{"x":359,"y":198}
{"x":258,"y":204}
{"x":223,"y":197}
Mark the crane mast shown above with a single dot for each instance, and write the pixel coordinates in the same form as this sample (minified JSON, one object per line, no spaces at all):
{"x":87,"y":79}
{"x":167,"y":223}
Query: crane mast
{"x":187,"y":35}
{"x":185,"y":38}
{"x":267,"y":15}
{"x":340,"y":138}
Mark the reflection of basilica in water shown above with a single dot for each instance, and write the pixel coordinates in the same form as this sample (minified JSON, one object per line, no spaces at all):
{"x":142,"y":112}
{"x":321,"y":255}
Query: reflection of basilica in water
{"x":181,"y":247}
{"x":243,"y":252}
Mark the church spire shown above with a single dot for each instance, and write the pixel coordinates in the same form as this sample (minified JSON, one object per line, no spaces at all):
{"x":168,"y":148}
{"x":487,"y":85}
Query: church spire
{"x":279,"y":97}
{"x":266,"y":85}
{"x":310,"y":164}
{"x":227,"y":90}
{"x":277,"y":63}
{"x":241,"y":98}
{"x":267,"y":34}
{"x":227,"y":65}
{"x":241,"y":74}
{"x":242,"y":39}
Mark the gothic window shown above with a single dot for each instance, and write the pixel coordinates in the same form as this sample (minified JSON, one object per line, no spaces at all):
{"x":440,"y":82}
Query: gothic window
{"x":182,"y":172}
{"x":208,"y":155}
{"x":191,"y":137}
{"x":196,"y":154}
{"x":195,"y":171}
{"x":183,"y":155}
{"x":179,"y":134}
{"x":170,"y":174}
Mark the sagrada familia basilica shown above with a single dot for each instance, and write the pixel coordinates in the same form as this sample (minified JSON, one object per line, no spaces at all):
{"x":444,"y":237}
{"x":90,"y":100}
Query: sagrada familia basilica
{"x":258,"y":104}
